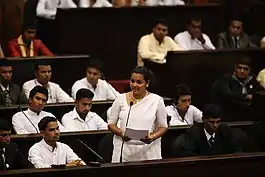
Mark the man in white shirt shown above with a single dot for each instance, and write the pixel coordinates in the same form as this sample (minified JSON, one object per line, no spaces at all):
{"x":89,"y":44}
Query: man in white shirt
{"x":25,"y":122}
{"x":48,"y":8}
{"x":154,"y":46}
{"x":94,"y":3}
{"x":193,"y":38}
{"x":102,"y":89}
{"x":182,"y":112}
{"x":81,"y":118}
{"x":164,"y":2}
{"x":43,"y":73}
{"x":48,"y":151}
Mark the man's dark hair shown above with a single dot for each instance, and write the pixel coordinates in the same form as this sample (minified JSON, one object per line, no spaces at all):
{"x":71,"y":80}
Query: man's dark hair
{"x":5,"y":63}
{"x":160,"y":21}
{"x":243,"y":61}
{"x":181,"y":90}
{"x":38,"y":89}
{"x":45,"y":121}
{"x":41,"y":63}
{"x":84,"y":93}
{"x":95,"y":63}
{"x":5,"y":125}
{"x":193,"y":17}
{"x":211,"y":111}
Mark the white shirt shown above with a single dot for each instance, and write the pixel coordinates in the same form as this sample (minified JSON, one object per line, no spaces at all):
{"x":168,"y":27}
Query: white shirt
{"x":48,"y":8}
{"x":208,"y":136}
{"x":22,"y":125}
{"x":103,"y":91}
{"x":164,"y":2}
{"x":72,"y":122}
{"x":192,"y":115}
{"x":186,"y":42}
{"x":56,"y":94}
{"x":98,"y":3}
{"x":149,"y":48}
{"x":42,"y":156}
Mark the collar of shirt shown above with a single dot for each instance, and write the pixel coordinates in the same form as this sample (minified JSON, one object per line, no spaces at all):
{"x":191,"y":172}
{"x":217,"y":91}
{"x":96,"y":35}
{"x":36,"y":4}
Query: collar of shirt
{"x":44,"y":144}
{"x":3,"y":88}
{"x":31,"y":113}
{"x":37,"y":83}
{"x":76,"y":116}
{"x":156,"y":41}
{"x":177,"y":113}
{"x":90,"y":86}
{"x":208,"y":136}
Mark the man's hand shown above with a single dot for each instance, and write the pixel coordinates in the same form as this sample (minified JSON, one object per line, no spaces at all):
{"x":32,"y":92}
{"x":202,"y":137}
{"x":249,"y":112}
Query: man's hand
{"x":249,"y":97}
{"x":75,"y":163}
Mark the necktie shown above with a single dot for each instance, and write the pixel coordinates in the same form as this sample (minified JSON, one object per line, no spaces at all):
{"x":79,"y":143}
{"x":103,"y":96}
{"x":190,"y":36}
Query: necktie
{"x":211,"y":141}
{"x":8,"y":99}
{"x":236,"y":42}
{"x":2,"y":160}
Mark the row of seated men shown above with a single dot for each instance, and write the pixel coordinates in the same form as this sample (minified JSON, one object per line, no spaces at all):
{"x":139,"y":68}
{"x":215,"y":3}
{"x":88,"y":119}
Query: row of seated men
{"x":235,"y":92}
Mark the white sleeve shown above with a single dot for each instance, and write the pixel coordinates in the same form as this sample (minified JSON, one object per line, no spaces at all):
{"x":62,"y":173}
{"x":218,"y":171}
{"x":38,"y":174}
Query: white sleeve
{"x":115,"y":111}
{"x":106,"y":3}
{"x":174,"y":45}
{"x":26,"y":89}
{"x":144,"y":51}
{"x":36,"y":159}
{"x":61,"y":96}
{"x":101,"y":124}
{"x":68,"y":4}
{"x":208,"y":42}
{"x":178,"y":39}
{"x":75,"y":88}
{"x":161,"y":114}
{"x":83,"y":3}
{"x":111,"y":92}
{"x":70,"y":155}
{"x":18,"y":125}
{"x":197,"y":115}
{"x":170,"y":113}
{"x":42,"y":11}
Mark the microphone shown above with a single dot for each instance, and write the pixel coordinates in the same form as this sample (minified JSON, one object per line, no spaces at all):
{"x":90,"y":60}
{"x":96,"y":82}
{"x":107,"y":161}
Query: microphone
{"x":111,"y":89}
{"x":91,"y":150}
{"x":19,"y":107}
{"x":131,"y":103}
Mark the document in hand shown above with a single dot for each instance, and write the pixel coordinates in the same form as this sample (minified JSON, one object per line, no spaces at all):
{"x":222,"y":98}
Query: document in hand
{"x":136,"y":134}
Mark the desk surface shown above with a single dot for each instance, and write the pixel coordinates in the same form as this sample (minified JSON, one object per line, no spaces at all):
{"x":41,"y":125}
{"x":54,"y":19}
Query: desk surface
{"x":221,"y":165}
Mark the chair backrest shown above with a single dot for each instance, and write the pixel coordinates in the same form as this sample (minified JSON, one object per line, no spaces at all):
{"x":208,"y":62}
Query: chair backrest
{"x":105,"y":147}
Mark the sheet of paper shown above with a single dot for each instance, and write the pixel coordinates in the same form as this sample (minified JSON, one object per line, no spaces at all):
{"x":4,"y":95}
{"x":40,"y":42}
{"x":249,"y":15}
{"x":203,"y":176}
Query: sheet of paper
{"x":136,"y":134}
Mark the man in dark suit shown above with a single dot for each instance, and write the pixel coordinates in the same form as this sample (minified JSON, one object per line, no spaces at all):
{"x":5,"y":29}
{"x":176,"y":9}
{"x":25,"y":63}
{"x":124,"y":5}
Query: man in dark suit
{"x":211,"y":137}
{"x":234,"y":37}
{"x":10,"y":156}
{"x":9,"y":93}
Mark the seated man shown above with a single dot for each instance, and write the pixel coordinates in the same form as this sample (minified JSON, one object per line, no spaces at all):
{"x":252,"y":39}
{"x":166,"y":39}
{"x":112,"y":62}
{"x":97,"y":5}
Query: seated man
{"x":10,"y":155}
{"x":25,"y":122}
{"x":155,"y":46}
{"x":181,"y":112}
{"x":10,"y":94}
{"x":94,"y":3}
{"x":81,"y":118}
{"x":1,"y":52}
{"x":26,"y":45}
{"x":193,"y":38}
{"x":48,"y":8}
{"x":102,"y":89}
{"x":234,"y":93}
{"x":234,"y":37}
{"x":48,"y":151}
{"x":211,"y":137}
{"x":43,"y":73}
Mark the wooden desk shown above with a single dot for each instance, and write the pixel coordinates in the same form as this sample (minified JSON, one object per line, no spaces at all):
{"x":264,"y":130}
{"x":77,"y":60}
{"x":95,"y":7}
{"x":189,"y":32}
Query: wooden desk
{"x":218,"y":166}
{"x":93,"y":138}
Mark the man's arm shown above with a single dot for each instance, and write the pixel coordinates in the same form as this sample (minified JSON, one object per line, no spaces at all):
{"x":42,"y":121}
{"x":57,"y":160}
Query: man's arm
{"x":62,"y":96}
{"x":220,"y":43}
{"x":13,"y":50}
{"x":42,"y":11}
{"x":36,"y":159}
{"x":18,"y":123}
{"x":43,"y":50}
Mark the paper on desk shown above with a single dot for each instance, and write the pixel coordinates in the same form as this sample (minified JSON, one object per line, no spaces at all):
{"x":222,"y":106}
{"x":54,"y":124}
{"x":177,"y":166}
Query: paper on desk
{"x":136,"y":134}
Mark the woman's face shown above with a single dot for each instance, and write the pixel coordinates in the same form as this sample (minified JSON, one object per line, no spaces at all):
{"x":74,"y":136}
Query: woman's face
{"x":138,"y":84}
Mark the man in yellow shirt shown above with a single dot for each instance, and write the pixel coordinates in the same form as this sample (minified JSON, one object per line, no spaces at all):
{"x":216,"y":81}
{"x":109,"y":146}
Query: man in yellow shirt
{"x":155,"y":46}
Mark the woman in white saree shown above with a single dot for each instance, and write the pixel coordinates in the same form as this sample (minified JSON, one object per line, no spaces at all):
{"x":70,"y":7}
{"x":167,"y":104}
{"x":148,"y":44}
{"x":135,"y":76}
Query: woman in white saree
{"x":139,"y":111}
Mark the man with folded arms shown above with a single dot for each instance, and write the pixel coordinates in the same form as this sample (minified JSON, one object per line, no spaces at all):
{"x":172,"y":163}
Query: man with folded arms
{"x":154,"y":46}
{"x":81,"y":118}
{"x":49,"y":151}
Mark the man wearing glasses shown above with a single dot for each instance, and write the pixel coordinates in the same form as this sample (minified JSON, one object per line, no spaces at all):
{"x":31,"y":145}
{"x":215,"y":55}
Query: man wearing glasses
{"x":10,"y":155}
{"x":234,"y":93}
{"x":193,"y":38}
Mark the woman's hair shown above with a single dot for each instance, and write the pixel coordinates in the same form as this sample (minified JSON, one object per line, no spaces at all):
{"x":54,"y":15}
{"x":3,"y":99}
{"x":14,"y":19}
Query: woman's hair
{"x":148,"y":75}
